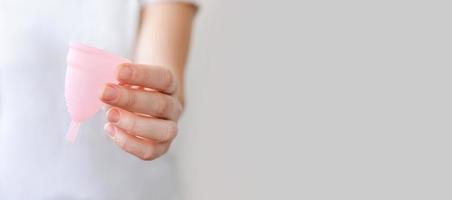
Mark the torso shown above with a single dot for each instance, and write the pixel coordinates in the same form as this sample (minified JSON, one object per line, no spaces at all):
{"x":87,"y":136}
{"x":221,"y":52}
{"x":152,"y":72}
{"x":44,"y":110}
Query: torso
{"x":35,"y":160}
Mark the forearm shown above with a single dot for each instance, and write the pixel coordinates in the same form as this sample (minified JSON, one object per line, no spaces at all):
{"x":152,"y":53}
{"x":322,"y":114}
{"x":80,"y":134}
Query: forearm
{"x":164,"y":38}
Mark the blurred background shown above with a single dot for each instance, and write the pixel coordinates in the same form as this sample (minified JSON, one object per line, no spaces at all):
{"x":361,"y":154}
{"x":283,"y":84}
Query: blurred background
{"x":318,"y":100}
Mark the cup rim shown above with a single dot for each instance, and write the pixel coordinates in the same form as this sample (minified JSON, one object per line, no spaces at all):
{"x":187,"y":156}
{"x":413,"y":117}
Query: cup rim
{"x":93,"y":50}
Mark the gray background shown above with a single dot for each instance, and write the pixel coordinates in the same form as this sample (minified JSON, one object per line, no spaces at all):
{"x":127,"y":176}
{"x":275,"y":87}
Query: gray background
{"x":318,"y":100}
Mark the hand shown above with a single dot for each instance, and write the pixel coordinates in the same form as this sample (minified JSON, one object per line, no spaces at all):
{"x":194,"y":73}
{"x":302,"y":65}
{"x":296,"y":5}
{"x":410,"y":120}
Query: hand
{"x":143,"y":115}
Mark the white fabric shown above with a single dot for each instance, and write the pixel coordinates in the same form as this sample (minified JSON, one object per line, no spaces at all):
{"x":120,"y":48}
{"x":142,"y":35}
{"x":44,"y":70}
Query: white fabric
{"x":35,"y":160}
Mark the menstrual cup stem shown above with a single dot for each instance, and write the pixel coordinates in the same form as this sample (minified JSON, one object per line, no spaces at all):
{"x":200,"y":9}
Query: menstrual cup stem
{"x":73,"y":130}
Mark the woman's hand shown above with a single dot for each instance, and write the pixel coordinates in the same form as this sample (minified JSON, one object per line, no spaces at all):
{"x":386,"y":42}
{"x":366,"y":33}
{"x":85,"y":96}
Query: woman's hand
{"x":146,"y":105}
{"x":143,"y":115}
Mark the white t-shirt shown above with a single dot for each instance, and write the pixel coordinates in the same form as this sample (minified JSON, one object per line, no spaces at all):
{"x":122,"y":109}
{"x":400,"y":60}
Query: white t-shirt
{"x":35,"y":160}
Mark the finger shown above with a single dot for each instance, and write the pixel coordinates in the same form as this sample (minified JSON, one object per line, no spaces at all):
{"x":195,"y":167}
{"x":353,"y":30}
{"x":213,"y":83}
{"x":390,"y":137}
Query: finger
{"x":152,"y":128}
{"x":143,"y":149}
{"x":158,"y":78}
{"x":146,"y":102}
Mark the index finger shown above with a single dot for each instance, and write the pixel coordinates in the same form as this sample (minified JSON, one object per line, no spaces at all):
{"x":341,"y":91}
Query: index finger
{"x":158,"y":78}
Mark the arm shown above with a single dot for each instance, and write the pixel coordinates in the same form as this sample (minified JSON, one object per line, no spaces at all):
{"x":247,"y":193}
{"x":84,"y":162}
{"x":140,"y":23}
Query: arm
{"x":143,"y":122}
{"x":164,"y":38}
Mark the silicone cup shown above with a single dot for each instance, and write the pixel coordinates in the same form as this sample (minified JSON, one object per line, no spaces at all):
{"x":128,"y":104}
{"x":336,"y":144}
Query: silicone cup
{"x":88,"y":70}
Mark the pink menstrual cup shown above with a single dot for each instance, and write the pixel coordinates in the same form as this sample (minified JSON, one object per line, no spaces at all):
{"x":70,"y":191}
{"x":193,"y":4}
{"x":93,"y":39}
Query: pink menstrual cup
{"x":88,"y":70}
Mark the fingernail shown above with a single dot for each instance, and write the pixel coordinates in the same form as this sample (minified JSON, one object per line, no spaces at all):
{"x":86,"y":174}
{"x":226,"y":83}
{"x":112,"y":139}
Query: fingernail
{"x":110,"y":93}
{"x":113,"y":115}
{"x":110,"y":129}
{"x":125,"y":72}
